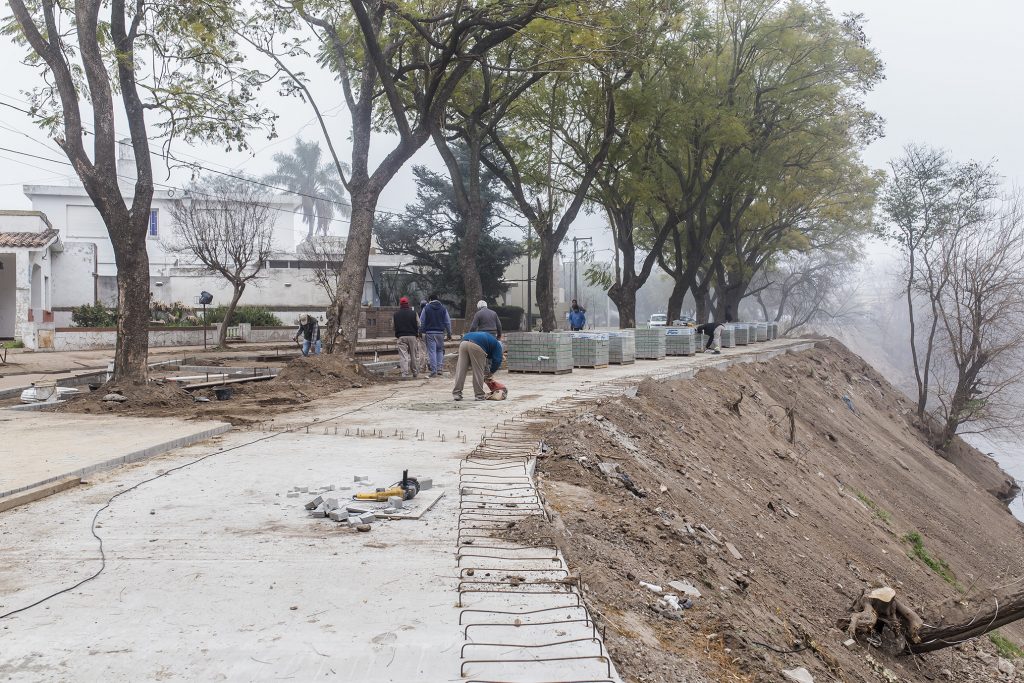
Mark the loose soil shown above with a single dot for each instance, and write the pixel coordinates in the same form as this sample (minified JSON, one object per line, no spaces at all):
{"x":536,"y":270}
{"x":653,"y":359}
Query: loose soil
{"x":813,"y":522}
{"x":300,"y":381}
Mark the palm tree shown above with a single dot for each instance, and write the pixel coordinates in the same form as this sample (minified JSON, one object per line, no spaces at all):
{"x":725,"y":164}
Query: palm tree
{"x":316,"y":182}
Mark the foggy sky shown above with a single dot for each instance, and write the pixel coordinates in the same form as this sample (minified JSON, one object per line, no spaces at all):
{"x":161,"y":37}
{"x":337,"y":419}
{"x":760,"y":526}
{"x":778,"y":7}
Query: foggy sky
{"x":953,"y":80}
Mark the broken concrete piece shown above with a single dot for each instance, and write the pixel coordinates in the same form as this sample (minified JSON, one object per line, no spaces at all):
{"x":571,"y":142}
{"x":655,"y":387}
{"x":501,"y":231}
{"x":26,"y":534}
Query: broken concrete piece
{"x":799,"y":675}
{"x":607,"y":468}
{"x":396,"y":502}
{"x":684,"y":587}
{"x":359,"y":478}
{"x":390,"y":511}
{"x":732,"y":551}
{"x":359,"y":509}
{"x":117,"y":398}
{"x":317,"y":513}
{"x":367,"y":518}
{"x":338,"y":515}
{"x":331,"y":503}
{"x":651,"y":587}
{"x":425,"y":483}
{"x":292,"y":494}
{"x":314,"y":503}
{"x":303,"y":489}
{"x":670,"y":601}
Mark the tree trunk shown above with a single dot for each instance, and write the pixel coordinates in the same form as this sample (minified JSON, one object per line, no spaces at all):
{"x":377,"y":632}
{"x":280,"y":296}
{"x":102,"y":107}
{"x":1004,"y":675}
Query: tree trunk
{"x":468,"y":252}
{"x":702,"y":302}
{"x":624,"y":298}
{"x":675,"y":300}
{"x":222,"y":336}
{"x":131,"y":352}
{"x":352,"y":274}
{"x":545,"y":283}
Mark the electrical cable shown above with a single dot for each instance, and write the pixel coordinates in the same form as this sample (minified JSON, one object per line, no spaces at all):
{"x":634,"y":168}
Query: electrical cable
{"x":92,"y":528}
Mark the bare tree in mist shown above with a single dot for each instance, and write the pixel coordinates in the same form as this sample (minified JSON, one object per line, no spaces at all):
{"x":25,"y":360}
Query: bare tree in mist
{"x":816,"y":288}
{"x":980,"y":355}
{"x":929,"y":199}
{"x":226,"y":225}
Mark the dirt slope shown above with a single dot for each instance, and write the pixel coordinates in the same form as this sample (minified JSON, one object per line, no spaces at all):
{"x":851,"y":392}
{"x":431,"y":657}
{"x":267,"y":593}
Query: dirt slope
{"x":813,"y":523}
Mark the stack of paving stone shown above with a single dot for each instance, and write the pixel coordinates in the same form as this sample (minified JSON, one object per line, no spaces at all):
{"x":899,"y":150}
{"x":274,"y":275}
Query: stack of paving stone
{"x":621,"y":347}
{"x":590,"y":349}
{"x":742,"y":333}
{"x":680,"y":341}
{"x":760,"y":331}
{"x":650,"y":343}
{"x":728,"y":336}
{"x":545,"y":352}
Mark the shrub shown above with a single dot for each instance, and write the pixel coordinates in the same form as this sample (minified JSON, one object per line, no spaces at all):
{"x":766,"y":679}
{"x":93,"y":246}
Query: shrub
{"x":256,"y":316}
{"x":15,"y":344}
{"x":93,"y":315}
{"x":1005,"y":646}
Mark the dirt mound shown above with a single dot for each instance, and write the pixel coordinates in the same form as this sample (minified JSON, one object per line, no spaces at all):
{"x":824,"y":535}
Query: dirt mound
{"x":153,"y":399}
{"x":324,"y":370}
{"x":699,"y":481}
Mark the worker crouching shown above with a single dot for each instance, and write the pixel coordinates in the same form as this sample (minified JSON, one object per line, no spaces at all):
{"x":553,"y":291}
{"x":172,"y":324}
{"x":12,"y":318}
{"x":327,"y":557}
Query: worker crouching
{"x":482,"y":353}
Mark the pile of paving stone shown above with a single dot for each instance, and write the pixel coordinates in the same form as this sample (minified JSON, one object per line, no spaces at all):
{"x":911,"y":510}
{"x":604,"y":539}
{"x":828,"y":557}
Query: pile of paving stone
{"x":359,"y":514}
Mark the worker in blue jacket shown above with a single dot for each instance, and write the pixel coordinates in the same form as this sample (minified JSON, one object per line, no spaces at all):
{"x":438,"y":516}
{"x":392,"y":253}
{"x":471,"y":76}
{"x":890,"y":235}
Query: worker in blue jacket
{"x":483,"y":353}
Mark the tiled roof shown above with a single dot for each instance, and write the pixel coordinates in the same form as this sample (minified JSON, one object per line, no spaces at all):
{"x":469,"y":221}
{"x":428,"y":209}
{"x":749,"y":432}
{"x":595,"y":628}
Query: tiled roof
{"x":26,"y":240}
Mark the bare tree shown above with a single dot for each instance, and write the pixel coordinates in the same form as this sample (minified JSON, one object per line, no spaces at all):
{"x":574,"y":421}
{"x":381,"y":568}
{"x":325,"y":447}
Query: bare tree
{"x":227,"y":226}
{"x":980,"y":355}
{"x":817,"y":288}
{"x":927,"y":198}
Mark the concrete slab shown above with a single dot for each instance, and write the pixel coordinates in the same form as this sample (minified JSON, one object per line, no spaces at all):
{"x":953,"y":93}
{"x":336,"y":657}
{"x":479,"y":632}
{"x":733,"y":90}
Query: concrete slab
{"x":40,"y":448}
{"x":253,"y":588}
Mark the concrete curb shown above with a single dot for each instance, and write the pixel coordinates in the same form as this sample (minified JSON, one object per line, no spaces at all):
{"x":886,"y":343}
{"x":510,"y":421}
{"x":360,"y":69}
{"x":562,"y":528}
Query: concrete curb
{"x":157,"y":449}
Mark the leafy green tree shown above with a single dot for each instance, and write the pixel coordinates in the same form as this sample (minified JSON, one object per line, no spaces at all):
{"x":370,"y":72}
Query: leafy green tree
{"x":397,"y":66}
{"x":316,"y":183}
{"x":432,"y":231}
{"x":192,"y":77}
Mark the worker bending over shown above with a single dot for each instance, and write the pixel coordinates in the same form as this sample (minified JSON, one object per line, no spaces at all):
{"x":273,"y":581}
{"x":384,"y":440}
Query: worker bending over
{"x":714,"y":332}
{"x":309,"y":331}
{"x":407,"y":329}
{"x":482,"y":353}
{"x":485,"y":320}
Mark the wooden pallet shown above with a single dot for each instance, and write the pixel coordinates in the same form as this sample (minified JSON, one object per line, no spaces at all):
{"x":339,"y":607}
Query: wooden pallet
{"x":540,"y":372}
{"x":622,"y":362}
{"x":592,"y":367}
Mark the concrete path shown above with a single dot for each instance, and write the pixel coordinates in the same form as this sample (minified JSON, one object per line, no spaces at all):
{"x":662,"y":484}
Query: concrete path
{"x":213,"y":573}
{"x":38,"y":448}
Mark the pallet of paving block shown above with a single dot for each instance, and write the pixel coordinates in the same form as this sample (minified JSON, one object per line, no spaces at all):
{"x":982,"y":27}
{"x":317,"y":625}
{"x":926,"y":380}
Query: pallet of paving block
{"x":631,"y":361}
{"x":521,"y":371}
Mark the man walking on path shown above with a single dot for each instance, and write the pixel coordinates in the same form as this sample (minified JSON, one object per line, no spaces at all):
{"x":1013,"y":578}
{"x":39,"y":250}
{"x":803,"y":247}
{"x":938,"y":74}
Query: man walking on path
{"x":309,"y":330}
{"x":485,"y":320}
{"x":577,"y":317}
{"x":714,"y":332}
{"x":436,"y":326}
{"x":482,"y":353}
{"x":407,"y":329}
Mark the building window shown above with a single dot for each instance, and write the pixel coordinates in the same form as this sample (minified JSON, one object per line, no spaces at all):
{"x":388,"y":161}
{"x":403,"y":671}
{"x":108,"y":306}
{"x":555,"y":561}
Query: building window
{"x":154,"y":224}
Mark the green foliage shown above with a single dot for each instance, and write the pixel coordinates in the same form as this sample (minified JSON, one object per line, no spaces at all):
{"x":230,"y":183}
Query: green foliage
{"x":13,"y":344}
{"x":257,"y":316}
{"x":873,"y":506}
{"x":936,"y":564}
{"x":430,"y":231}
{"x":1005,"y":646}
{"x":93,"y":315}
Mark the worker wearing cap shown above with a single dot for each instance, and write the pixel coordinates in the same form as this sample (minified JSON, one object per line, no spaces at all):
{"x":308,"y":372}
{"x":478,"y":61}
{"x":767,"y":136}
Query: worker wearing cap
{"x":485,"y":320}
{"x":407,"y":329}
{"x":309,"y":331}
{"x":482,"y":353}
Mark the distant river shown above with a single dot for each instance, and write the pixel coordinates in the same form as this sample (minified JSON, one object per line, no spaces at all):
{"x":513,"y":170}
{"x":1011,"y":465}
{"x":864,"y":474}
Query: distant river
{"x":1009,"y":453}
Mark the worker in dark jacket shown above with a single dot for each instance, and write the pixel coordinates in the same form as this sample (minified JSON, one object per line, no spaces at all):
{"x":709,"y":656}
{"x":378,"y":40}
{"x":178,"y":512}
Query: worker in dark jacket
{"x":714,"y":332}
{"x":436,"y":326}
{"x":407,"y":329}
{"x":482,"y":353}
{"x":309,"y":331}
{"x":485,"y":320}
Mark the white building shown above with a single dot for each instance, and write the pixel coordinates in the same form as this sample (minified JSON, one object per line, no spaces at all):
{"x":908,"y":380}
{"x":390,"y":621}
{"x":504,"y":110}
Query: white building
{"x":29,"y":249}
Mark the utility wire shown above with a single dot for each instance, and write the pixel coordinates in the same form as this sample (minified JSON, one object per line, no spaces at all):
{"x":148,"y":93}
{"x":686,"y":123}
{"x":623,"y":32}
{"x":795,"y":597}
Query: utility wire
{"x":92,"y":527}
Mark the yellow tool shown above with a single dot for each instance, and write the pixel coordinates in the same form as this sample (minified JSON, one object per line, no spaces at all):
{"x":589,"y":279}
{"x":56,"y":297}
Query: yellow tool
{"x":405,"y":489}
